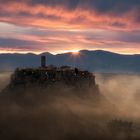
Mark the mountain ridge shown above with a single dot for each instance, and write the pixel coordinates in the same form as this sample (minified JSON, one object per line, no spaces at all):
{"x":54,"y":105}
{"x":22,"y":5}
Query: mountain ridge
{"x":84,"y":50}
{"x":94,"y":61}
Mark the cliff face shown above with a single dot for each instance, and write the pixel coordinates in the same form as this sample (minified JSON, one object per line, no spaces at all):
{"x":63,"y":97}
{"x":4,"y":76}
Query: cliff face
{"x":52,"y":103}
{"x":33,"y":86}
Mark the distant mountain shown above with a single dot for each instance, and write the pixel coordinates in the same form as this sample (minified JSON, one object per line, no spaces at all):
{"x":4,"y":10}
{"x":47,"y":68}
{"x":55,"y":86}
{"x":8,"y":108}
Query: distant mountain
{"x":94,"y":61}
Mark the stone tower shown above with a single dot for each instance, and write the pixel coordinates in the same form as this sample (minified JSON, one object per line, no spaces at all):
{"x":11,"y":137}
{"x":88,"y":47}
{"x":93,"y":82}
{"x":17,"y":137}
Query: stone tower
{"x":43,"y":61}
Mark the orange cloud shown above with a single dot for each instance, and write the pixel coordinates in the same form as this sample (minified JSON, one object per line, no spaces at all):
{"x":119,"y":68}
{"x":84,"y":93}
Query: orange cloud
{"x":75,"y":29}
{"x":22,"y":13}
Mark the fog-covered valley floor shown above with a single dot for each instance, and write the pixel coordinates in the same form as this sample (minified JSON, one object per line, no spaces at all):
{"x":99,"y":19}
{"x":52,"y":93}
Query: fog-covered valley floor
{"x":123,"y":90}
{"x":71,"y":117}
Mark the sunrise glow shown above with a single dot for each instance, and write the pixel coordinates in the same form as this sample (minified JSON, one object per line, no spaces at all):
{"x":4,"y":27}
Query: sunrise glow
{"x":75,"y":52}
{"x":57,"y":27}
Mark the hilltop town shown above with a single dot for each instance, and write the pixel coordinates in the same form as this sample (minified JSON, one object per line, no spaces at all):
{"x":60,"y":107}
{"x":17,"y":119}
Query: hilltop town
{"x":51,"y":76}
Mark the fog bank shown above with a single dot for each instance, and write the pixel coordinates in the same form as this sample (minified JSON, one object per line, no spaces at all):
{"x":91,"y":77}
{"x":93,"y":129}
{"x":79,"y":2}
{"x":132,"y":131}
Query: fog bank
{"x":55,"y":116}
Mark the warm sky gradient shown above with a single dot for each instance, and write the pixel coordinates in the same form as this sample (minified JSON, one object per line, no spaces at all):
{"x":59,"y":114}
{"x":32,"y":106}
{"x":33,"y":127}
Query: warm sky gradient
{"x":68,"y":25}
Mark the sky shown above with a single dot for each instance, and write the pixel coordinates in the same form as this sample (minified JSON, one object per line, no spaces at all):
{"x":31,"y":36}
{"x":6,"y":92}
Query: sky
{"x":60,"y":26}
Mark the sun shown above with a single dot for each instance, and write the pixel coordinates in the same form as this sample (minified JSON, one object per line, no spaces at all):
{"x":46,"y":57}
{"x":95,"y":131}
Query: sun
{"x":75,"y":52}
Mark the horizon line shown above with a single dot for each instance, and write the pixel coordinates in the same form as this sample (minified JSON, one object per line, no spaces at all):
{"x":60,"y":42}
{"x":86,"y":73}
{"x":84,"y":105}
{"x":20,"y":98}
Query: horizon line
{"x":65,"y":52}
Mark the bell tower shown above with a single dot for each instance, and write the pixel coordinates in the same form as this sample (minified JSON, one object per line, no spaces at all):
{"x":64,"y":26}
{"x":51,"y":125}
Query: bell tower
{"x":43,"y":61}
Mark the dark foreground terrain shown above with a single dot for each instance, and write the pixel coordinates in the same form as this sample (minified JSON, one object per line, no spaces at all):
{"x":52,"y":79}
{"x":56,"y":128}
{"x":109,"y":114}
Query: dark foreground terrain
{"x":62,"y":115}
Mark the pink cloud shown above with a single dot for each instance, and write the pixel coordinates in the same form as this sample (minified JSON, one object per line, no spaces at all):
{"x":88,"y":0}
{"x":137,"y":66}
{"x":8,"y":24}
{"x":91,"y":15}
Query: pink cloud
{"x":22,"y":13}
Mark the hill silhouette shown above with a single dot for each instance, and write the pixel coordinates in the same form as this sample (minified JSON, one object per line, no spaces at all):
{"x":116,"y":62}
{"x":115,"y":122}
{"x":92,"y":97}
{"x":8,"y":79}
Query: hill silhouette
{"x":94,"y":61}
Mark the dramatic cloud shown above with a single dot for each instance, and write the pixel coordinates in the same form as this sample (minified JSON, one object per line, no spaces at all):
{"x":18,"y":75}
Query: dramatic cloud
{"x":62,"y":25}
{"x":72,"y":13}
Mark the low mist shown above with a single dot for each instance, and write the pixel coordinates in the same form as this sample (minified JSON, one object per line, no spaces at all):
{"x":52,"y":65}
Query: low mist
{"x":122,"y":90}
{"x":4,"y":79}
{"x":62,"y":115}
